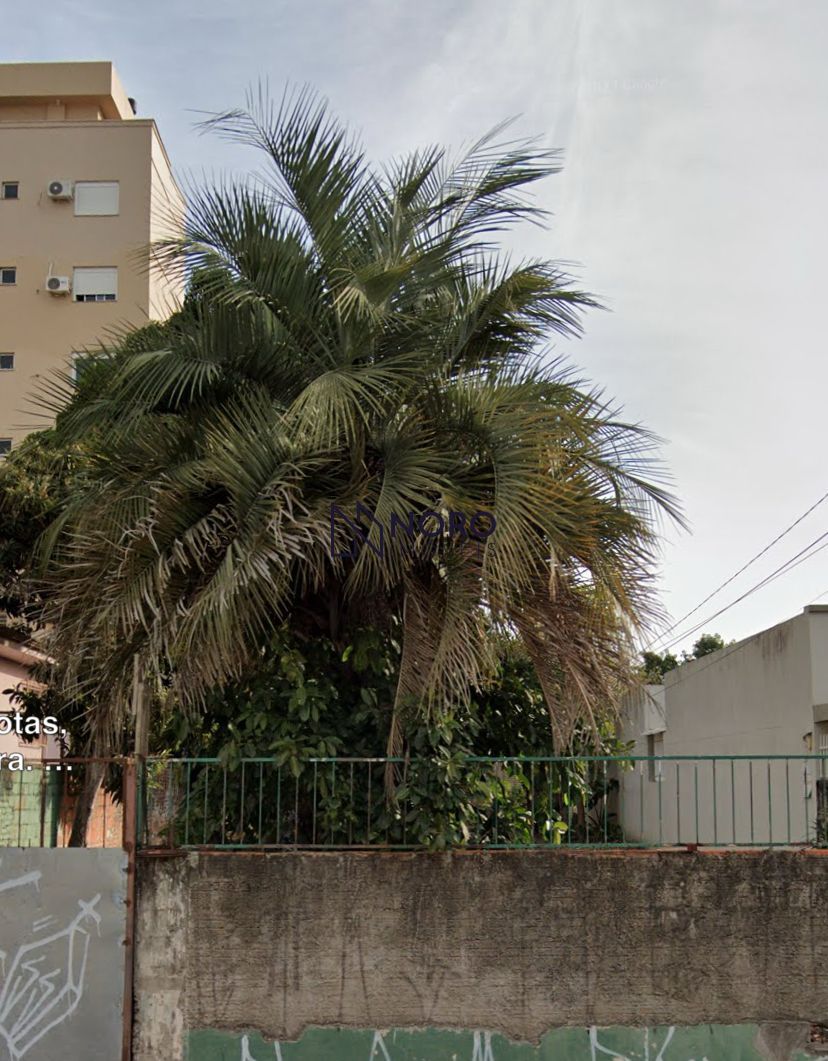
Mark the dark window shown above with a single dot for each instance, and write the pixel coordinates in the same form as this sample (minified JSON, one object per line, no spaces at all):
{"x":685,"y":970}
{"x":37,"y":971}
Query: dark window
{"x":5,"y":446}
{"x":6,"y":362}
{"x":9,"y":190}
{"x":8,"y":275}
{"x":95,"y":298}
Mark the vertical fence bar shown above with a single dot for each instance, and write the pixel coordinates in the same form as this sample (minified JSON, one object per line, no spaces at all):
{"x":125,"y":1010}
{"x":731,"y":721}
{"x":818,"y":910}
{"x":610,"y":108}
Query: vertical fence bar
{"x":405,"y":807}
{"x":805,"y":796}
{"x":279,"y":804}
{"x":678,"y":801}
{"x":565,"y":774}
{"x":659,"y":783}
{"x":206,"y":792}
{"x":187,"y":805}
{"x":585,"y":805}
{"x":750,"y":782}
{"x":788,"y":798}
{"x":315,"y":791}
{"x":333,"y":797}
{"x":241,"y":806}
{"x":696,"y":795}
{"x":296,"y":812}
{"x":224,"y":805}
{"x":351,"y":810}
{"x":733,"y":797}
{"x":715,"y":809}
{"x":129,"y":804}
{"x":261,"y":800}
{"x":370,"y":806}
{"x":532,"y":801}
{"x":605,"y":799}
{"x":42,"y":806}
{"x":641,"y":803}
{"x":770,"y":807}
{"x":20,"y":811}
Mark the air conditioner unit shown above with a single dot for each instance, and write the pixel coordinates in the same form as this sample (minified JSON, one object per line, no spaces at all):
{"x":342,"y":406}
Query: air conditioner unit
{"x":58,"y":285}
{"x":60,"y":189}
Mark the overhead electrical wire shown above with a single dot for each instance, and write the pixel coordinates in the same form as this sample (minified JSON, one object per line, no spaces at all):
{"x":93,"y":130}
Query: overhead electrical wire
{"x":660,"y":637}
{"x":810,"y":550}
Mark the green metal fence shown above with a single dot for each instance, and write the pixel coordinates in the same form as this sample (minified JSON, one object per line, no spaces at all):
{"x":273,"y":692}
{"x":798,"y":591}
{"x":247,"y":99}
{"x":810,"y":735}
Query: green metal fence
{"x":482,"y":802}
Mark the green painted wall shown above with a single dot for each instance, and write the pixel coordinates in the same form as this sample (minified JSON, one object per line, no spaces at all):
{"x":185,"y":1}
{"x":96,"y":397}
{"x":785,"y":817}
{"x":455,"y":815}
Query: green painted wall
{"x":702,"y":1043}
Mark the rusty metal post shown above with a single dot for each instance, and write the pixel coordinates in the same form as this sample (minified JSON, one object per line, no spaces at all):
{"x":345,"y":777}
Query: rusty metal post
{"x":822,"y":810}
{"x":130,"y":805}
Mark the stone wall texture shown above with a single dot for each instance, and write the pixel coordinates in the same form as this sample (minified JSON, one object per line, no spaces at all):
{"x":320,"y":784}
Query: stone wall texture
{"x":511,"y":943}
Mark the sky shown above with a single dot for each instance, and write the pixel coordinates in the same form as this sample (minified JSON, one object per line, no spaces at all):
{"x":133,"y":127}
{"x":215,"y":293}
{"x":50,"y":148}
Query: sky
{"x":692,"y":203}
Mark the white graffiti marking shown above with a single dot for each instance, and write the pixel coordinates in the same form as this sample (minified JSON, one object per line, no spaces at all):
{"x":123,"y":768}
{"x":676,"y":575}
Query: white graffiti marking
{"x":44,"y":981}
{"x":247,"y":1056}
{"x":379,"y":1041}
{"x":596,"y":1048}
{"x":482,"y":1050}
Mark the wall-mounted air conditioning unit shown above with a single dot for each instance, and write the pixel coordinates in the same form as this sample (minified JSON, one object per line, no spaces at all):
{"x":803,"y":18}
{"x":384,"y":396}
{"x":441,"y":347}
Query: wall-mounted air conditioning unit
{"x":58,"y":285}
{"x":60,"y":189}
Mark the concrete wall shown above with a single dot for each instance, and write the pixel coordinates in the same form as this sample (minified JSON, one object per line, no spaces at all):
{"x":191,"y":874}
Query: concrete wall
{"x":239,"y":956}
{"x":62,"y":926}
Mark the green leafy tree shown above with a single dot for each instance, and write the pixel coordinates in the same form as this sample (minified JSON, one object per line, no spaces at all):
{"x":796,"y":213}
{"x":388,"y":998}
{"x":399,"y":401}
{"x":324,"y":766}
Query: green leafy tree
{"x":307,"y":701}
{"x":654,"y":665}
{"x":352,"y":335}
{"x":706,"y":644}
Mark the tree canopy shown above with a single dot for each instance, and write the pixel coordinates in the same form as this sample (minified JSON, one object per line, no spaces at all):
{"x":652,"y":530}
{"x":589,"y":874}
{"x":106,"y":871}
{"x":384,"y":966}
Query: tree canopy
{"x":353,"y":334}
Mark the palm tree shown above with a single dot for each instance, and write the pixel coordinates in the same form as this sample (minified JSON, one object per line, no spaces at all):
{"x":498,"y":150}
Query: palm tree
{"x":352,"y":334}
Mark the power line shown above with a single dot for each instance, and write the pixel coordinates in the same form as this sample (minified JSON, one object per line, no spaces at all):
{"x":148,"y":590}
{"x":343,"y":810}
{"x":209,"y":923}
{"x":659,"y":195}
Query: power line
{"x":783,"y":569}
{"x":759,"y":555}
{"x":730,"y":649}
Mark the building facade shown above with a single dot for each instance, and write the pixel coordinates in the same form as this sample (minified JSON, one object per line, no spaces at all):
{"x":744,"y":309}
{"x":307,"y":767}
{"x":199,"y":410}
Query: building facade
{"x":763,"y":703}
{"x":85,"y":188}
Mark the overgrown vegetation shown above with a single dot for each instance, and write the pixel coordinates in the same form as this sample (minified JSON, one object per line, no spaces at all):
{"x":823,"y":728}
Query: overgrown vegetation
{"x":307,"y":700}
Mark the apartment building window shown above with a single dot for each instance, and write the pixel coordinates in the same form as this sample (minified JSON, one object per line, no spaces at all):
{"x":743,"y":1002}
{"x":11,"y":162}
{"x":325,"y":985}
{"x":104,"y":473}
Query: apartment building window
{"x":9,"y":190}
{"x":655,"y":747}
{"x":5,"y":446}
{"x":96,"y":198}
{"x":95,"y":285}
{"x":81,"y":362}
{"x":6,"y":362}
{"x":8,"y":275}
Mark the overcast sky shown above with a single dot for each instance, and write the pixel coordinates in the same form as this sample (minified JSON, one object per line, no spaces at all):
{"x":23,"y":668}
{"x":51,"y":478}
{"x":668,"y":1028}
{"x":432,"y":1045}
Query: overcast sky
{"x":693,"y":199}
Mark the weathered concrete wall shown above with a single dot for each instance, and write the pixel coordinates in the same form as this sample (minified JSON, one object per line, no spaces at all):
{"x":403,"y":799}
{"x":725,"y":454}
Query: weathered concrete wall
{"x":62,"y":927}
{"x":516,"y":943}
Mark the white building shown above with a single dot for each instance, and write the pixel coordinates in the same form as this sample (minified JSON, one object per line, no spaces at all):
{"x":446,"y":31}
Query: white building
{"x":763,"y":704}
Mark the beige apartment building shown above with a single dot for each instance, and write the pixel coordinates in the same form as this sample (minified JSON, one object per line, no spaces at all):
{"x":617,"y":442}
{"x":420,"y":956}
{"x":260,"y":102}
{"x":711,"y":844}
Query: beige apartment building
{"x":85,"y":188}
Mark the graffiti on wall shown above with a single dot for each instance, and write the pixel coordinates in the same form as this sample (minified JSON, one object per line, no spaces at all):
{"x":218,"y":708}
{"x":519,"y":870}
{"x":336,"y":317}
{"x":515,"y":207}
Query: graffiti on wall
{"x":61,"y":958}
{"x":700,"y":1043}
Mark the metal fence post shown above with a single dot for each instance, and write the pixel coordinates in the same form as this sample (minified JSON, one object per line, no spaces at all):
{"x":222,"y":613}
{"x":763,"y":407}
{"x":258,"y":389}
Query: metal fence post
{"x":130,"y":834}
{"x":822,"y":810}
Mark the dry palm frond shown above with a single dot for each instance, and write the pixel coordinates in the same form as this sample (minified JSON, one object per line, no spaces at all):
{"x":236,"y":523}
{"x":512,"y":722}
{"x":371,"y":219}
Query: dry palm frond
{"x":351,"y":334}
